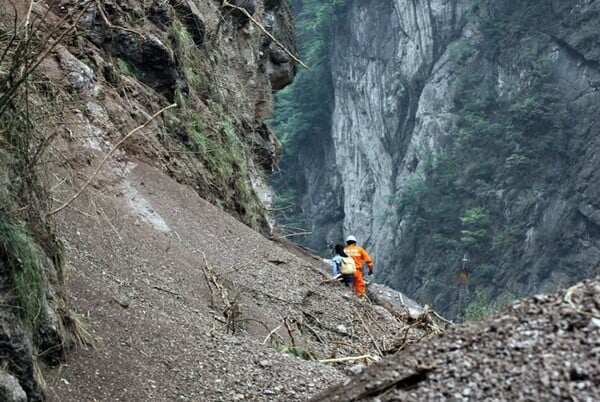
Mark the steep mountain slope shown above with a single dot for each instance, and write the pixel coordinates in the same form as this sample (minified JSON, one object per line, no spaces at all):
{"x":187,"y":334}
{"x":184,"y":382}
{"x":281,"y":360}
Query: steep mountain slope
{"x":134,"y":262}
{"x":133,"y":211}
{"x":184,"y":302}
{"x":462,"y":129}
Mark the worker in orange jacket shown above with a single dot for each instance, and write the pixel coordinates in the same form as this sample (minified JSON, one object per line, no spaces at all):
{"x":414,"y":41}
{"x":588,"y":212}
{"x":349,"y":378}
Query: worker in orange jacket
{"x":360,"y":256}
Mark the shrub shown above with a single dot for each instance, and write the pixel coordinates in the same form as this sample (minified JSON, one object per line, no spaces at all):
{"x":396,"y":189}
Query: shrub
{"x":479,"y":307}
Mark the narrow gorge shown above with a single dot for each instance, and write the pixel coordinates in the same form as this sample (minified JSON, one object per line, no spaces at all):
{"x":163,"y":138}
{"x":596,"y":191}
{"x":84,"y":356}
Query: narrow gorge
{"x":460,"y":130}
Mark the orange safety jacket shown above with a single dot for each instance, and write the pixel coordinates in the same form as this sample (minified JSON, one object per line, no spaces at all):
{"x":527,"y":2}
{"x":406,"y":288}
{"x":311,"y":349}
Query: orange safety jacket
{"x":359,"y":255}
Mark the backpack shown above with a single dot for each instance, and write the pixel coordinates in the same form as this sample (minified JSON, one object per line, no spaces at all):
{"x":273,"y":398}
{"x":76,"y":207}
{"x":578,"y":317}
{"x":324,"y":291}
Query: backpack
{"x":347,"y":265}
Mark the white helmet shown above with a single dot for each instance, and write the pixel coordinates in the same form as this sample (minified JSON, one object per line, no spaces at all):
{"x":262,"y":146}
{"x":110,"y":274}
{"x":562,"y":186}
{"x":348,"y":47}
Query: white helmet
{"x":350,"y":238}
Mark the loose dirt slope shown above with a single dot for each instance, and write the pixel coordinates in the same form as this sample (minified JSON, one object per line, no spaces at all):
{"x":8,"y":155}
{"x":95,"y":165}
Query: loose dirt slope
{"x":546,"y":348}
{"x":187,"y":303}
{"x":183,"y":302}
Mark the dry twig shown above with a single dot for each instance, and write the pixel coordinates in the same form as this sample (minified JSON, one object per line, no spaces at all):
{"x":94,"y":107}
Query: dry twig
{"x":233,"y":309}
{"x":271,"y":333}
{"x":420,"y":374}
{"x":439,"y":317}
{"x":45,"y":48}
{"x":111,"y":26}
{"x":569,"y":299}
{"x":347,"y":359}
{"x":289,"y":329}
{"x":259,"y":25}
{"x":314,"y":331}
{"x":106,"y":157}
{"x":368,"y":332}
{"x":165,"y":290}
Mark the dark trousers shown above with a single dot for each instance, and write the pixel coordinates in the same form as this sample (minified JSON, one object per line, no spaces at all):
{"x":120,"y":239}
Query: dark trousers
{"x":348,"y":279}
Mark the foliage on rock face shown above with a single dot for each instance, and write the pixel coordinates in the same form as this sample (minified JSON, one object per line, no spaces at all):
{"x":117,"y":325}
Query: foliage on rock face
{"x":214,"y":142}
{"x":303,"y":110}
{"x":500,"y":147}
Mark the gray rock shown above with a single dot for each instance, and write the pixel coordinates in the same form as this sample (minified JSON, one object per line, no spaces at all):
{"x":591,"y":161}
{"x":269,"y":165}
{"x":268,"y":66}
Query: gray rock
{"x":10,"y":389}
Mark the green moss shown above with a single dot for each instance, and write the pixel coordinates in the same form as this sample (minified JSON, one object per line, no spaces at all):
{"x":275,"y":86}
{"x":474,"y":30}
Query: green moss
{"x":125,"y":67}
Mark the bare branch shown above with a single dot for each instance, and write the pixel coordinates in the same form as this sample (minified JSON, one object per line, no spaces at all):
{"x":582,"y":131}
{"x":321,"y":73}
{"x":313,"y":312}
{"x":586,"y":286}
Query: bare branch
{"x":107,"y":156}
{"x":369,"y":333}
{"x":271,"y":333}
{"x":259,"y":25}
{"x":347,"y":359}
{"x":111,"y":26}
{"x":37,"y":60}
{"x":569,"y":299}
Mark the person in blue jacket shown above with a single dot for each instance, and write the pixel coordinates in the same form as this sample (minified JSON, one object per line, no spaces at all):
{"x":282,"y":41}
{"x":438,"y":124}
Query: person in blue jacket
{"x":336,"y":266}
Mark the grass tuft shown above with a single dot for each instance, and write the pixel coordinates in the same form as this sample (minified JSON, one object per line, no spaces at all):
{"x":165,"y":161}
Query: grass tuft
{"x":78,"y":330}
{"x":25,"y":263}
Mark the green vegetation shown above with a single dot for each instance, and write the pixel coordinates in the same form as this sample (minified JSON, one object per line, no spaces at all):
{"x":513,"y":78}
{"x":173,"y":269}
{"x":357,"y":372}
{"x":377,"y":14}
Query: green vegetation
{"x":303,"y":109}
{"x":188,"y":54}
{"x":501,"y":144}
{"x":210,"y":135}
{"x":219,"y":149}
{"x":474,"y":235}
{"x":296,"y":351}
{"x":25,"y":264}
{"x":223,"y":155}
{"x":125,"y":67}
{"x":479,"y":307}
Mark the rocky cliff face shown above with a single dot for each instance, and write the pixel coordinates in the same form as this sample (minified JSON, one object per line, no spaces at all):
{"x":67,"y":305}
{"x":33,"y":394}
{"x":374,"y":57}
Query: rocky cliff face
{"x":184,"y":86}
{"x":412,"y":80}
{"x":382,"y":58}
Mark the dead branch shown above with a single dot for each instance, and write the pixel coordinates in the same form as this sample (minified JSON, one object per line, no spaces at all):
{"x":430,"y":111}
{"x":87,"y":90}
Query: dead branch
{"x":426,"y":319}
{"x":271,"y":333}
{"x":246,"y":320}
{"x":423,"y":320}
{"x":368,"y":332}
{"x":110,"y":224}
{"x":296,"y":234}
{"x":111,"y":26}
{"x":569,"y":299}
{"x":232,"y":312}
{"x":347,"y":359}
{"x":208,"y":282}
{"x":259,"y":25}
{"x":27,"y":19}
{"x":235,"y":269}
{"x":439,"y":317}
{"x":309,"y":315}
{"x":233,"y":309}
{"x":74,"y":208}
{"x":314,"y":331}
{"x":281,"y":208}
{"x":106,"y":157}
{"x":39,"y":56}
{"x":211,"y":277}
{"x":312,"y":290}
{"x":420,"y":374}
